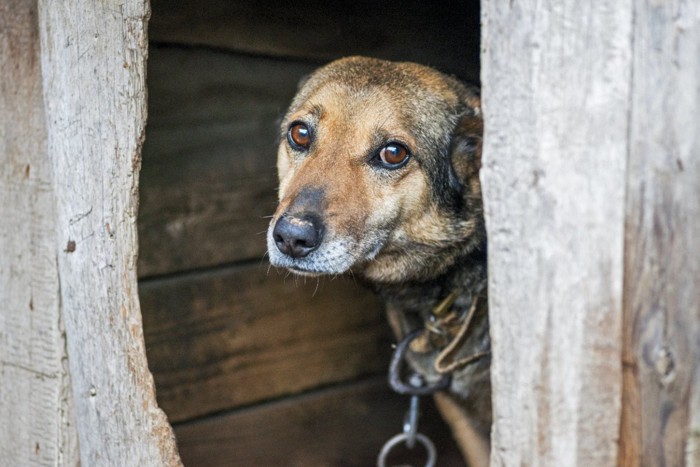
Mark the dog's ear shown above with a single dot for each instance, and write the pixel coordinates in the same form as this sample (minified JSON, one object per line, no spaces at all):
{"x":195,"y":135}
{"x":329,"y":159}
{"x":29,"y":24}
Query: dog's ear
{"x":465,"y":146}
{"x":461,"y":173}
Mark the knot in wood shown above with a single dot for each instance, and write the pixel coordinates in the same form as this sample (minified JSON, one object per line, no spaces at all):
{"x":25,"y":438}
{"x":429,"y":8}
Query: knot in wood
{"x":665,"y":365}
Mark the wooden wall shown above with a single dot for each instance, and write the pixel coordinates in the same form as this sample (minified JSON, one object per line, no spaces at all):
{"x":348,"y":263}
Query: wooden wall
{"x":254,"y":366}
{"x":35,"y":399}
{"x":592,"y":187}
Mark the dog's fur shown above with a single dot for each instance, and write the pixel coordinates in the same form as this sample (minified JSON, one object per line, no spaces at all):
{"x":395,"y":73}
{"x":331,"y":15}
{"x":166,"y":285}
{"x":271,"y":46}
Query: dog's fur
{"x":415,"y":232}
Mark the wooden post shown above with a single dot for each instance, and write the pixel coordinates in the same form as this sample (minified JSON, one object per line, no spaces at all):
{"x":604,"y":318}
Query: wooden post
{"x":556,"y":101}
{"x":93,"y":57}
{"x":36,"y":424}
{"x":592,"y":187}
{"x":661,"y":410}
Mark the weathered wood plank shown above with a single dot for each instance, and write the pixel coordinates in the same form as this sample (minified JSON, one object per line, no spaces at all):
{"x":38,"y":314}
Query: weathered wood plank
{"x":208,"y":179}
{"x":342,"y":426}
{"x":93,"y":65}
{"x":221,"y":339}
{"x":37,"y":426}
{"x":661,"y":411}
{"x":441,"y":34}
{"x":556,"y":100}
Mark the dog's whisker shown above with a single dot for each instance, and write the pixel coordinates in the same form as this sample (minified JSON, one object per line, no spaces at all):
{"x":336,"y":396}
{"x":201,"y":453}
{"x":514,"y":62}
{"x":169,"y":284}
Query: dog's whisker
{"x":318,"y":282}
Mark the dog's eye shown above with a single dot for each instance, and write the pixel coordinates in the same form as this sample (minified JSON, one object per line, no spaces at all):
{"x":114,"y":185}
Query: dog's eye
{"x":299,"y":136}
{"x":393,"y":155}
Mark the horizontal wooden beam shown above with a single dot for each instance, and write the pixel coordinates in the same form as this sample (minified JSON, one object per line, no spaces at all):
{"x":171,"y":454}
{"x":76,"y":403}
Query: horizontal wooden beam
{"x":344,"y":425}
{"x":441,"y":34}
{"x":237,"y":336}
{"x":208,"y":181}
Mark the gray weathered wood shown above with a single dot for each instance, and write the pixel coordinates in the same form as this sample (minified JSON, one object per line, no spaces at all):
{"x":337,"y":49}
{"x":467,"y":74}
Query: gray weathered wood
{"x":661,"y":410}
{"x":208,"y":180}
{"x":556,"y":85}
{"x":93,"y":66}
{"x":440,"y":34}
{"x":238,"y":336}
{"x":37,"y":425}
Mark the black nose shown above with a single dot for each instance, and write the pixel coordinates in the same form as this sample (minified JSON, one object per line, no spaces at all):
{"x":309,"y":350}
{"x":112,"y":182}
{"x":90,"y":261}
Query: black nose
{"x":297,"y":236}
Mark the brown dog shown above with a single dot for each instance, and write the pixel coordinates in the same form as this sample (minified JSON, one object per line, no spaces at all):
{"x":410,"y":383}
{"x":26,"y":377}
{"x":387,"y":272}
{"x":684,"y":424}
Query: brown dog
{"x":379,"y":175}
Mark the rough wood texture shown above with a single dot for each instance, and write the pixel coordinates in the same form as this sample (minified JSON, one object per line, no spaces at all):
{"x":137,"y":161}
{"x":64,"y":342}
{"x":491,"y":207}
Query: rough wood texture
{"x":37,"y":425}
{"x":661,"y":411}
{"x":93,"y":65}
{"x":343,"y":426}
{"x":208,"y":180}
{"x":226,"y":338}
{"x":556,"y":101}
{"x":441,"y":34}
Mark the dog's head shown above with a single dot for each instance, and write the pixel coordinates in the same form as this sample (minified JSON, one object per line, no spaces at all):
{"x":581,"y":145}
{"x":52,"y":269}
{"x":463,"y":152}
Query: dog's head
{"x":378,"y":165}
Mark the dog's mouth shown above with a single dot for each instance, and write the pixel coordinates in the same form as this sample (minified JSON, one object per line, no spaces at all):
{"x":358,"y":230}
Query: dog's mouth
{"x":303,"y":272}
{"x":333,"y":257}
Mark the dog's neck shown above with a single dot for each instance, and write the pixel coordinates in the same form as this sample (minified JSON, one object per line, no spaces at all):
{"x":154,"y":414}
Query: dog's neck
{"x":466,"y":277}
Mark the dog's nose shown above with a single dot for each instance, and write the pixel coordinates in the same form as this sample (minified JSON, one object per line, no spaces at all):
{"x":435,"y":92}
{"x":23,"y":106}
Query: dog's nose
{"x":297,"y":236}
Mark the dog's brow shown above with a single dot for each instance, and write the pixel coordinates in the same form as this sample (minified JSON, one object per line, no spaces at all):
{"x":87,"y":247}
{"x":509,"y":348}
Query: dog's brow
{"x":312,"y":113}
{"x":316,"y":111}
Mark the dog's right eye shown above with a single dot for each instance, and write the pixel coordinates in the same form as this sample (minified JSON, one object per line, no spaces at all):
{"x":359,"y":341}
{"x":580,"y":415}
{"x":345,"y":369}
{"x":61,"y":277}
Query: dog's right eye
{"x":393,"y":155}
{"x":299,"y":136}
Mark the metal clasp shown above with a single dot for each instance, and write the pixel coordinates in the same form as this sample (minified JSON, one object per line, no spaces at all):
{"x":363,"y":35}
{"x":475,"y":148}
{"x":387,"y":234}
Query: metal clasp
{"x":395,"y":381}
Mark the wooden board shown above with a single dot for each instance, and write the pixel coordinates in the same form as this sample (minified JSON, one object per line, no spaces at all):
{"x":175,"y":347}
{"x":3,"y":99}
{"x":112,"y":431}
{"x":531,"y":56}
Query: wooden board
{"x":236,"y":336}
{"x":208,"y":180}
{"x":661,"y":411}
{"x":342,"y":426}
{"x":440,"y":34}
{"x":37,"y":420}
{"x":93,"y":62}
{"x":556,"y":86}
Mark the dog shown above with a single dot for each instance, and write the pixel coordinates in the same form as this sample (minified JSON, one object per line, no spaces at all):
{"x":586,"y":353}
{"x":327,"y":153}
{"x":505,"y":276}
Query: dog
{"x":378,"y":166}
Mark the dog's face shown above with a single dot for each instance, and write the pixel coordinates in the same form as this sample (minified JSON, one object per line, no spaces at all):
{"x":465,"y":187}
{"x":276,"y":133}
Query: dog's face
{"x":378,"y":165}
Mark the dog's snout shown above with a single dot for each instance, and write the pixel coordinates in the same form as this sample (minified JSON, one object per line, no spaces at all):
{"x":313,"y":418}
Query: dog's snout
{"x":297,"y":236}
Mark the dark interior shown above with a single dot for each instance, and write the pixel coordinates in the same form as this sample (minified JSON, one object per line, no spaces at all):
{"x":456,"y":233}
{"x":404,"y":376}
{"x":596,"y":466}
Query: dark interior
{"x":254,"y":366}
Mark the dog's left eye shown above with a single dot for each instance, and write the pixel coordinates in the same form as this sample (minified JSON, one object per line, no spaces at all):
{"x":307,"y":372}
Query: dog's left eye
{"x":299,"y":136}
{"x":393,"y":155}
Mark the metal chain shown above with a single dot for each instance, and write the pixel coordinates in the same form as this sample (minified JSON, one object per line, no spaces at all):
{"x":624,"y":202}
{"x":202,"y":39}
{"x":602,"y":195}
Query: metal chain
{"x":415,"y":387}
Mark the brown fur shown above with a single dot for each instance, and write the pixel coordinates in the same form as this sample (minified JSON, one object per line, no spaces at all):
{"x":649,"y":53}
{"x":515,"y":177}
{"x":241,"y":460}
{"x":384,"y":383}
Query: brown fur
{"x":415,"y":233}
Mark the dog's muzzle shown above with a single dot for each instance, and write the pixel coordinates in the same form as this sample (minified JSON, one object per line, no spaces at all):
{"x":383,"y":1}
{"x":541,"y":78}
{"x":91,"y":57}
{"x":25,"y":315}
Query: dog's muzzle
{"x":301,"y":243}
{"x":298,"y":235}
{"x":301,"y":240}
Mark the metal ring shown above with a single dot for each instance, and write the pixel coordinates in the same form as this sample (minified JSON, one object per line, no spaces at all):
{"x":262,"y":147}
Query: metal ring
{"x":401,"y":437}
{"x":395,"y":371}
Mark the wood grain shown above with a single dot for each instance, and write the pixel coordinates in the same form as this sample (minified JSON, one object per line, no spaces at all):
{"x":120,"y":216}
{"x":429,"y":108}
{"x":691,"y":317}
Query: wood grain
{"x":556,"y":101}
{"x":93,"y":58}
{"x":661,"y":411}
{"x":236,"y":336}
{"x":208,"y":181}
{"x":35,"y":407}
{"x":440,"y":34}
{"x":342,"y":426}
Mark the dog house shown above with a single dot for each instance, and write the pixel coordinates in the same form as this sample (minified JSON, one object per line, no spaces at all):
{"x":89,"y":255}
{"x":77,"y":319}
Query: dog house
{"x":132,"y":250}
